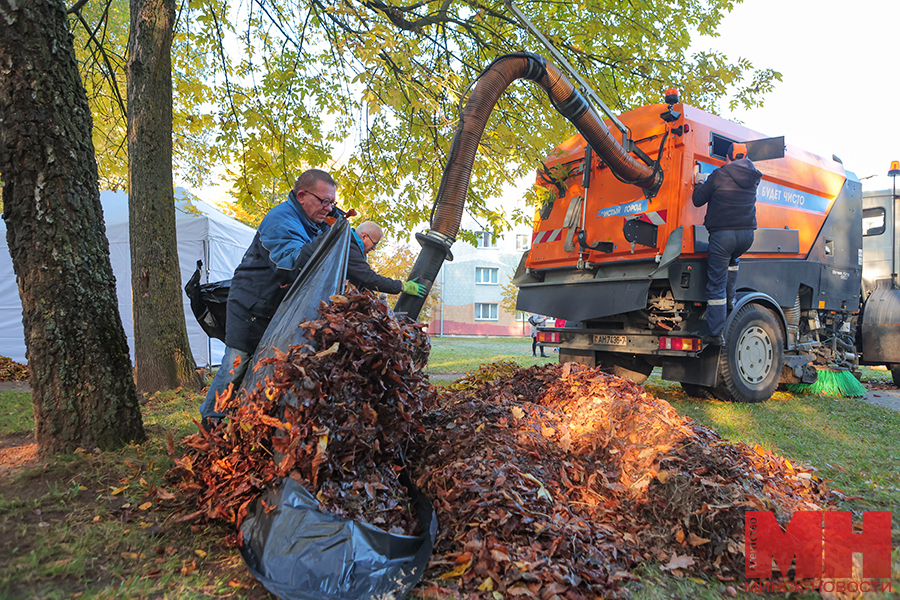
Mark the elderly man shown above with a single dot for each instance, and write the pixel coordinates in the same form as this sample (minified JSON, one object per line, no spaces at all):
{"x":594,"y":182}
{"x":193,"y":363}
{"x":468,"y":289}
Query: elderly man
{"x":730,"y":192}
{"x":267,"y":270}
{"x":365,"y":238}
{"x":360,"y":274}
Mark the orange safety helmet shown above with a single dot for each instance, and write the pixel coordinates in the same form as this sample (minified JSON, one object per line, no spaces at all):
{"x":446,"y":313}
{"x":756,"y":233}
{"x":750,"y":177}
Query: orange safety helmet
{"x":736,"y":151}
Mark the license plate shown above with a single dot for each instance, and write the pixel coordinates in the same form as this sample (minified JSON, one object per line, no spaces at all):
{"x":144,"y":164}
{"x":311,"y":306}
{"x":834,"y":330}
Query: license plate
{"x":611,"y":340}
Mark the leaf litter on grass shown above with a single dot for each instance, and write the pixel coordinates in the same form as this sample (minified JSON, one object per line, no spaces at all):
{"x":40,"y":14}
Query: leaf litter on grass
{"x":10,"y":370}
{"x":548,"y":482}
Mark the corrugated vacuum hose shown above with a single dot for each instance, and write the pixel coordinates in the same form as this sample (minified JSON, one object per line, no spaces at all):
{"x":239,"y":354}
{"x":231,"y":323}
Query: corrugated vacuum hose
{"x":486,"y":91}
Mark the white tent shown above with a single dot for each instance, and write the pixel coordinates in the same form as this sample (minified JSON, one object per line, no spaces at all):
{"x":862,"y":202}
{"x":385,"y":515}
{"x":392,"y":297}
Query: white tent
{"x":203,"y":233}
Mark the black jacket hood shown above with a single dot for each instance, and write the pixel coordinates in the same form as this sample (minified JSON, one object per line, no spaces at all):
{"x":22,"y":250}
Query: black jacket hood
{"x":743,"y":172}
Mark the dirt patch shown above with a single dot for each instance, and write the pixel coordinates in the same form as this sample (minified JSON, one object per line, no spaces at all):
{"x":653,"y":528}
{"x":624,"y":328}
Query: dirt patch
{"x":18,"y":453}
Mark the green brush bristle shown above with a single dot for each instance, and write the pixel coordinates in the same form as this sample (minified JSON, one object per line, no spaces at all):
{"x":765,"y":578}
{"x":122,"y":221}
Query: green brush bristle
{"x":837,"y":384}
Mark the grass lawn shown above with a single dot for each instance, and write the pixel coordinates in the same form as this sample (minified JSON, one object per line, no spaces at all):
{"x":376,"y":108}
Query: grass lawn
{"x":462,"y":354}
{"x":80,"y":526}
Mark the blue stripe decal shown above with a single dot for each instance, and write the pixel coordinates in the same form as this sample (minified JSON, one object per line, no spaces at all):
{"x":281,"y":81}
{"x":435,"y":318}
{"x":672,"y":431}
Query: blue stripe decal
{"x":780,"y":195}
{"x":632,"y":208}
{"x":772,"y":193}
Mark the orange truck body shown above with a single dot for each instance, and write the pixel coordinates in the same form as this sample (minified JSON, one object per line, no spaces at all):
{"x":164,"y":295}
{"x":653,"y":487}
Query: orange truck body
{"x":611,"y":202}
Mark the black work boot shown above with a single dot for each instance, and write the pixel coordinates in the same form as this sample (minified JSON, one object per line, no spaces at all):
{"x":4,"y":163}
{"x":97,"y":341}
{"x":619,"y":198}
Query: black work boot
{"x":713,"y":340}
{"x":208,"y":424}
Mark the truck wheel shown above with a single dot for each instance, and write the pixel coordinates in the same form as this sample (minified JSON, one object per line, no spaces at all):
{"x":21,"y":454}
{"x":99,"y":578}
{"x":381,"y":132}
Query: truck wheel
{"x":751,"y":360}
{"x":895,"y":374}
{"x":700,"y":392}
{"x":627,"y":366}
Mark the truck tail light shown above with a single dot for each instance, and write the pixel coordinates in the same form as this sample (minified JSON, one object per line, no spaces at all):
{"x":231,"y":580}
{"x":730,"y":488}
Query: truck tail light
{"x":546,"y":336}
{"x":677,"y":343}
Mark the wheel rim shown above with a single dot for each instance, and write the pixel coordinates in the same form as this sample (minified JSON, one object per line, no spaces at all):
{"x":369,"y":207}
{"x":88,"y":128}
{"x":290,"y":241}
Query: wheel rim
{"x":754,"y":355}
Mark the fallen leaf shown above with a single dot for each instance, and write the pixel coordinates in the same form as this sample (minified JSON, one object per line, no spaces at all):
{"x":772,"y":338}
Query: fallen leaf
{"x":457,"y":572}
{"x":696,"y":540}
{"x":678,"y":562}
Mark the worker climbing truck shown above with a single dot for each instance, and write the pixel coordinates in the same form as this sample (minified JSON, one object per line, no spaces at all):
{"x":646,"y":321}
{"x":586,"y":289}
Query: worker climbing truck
{"x":619,"y":251}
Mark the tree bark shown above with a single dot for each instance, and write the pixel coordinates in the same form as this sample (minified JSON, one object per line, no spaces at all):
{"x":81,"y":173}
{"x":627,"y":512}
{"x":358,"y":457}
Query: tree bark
{"x":163,"y":356}
{"x":82,"y":386}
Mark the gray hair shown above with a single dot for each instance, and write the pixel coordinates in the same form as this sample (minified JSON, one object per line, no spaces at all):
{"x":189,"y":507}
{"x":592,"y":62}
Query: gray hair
{"x":309,"y":178}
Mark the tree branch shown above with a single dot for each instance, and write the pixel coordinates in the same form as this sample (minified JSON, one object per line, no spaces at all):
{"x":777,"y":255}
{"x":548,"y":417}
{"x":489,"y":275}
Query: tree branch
{"x":77,"y":7}
{"x":110,"y":73}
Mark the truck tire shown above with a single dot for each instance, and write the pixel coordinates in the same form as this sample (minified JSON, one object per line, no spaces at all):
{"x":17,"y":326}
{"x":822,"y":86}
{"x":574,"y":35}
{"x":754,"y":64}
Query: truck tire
{"x":700,"y":392}
{"x":895,"y":375}
{"x":750,"y":361}
{"x":627,"y":366}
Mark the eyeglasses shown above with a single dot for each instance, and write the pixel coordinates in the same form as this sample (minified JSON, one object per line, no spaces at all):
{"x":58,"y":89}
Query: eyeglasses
{"x":373,"y":242}
{"x":324,"y":201}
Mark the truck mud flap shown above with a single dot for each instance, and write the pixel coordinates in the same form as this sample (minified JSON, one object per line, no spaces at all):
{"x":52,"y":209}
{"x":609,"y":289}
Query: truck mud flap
{"x":702,"y":370}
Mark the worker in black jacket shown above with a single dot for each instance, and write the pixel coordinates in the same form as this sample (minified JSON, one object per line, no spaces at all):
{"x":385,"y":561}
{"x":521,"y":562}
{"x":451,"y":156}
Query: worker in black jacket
{"x":365,"y":238}
{"x":730,"y":195}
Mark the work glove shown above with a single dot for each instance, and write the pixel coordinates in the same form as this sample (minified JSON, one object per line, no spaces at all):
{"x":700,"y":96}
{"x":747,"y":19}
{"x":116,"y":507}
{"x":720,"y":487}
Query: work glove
{"x":414,"y":289}
{"x":700,"y":178}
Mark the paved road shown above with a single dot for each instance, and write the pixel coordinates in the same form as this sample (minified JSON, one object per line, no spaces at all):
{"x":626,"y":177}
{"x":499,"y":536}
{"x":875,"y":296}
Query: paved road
{"x":888,"y":397}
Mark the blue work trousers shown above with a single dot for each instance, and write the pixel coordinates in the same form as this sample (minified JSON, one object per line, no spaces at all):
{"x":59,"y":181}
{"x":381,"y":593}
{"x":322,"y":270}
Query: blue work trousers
{"x":725,"y":249}
{"x":227,"y":374}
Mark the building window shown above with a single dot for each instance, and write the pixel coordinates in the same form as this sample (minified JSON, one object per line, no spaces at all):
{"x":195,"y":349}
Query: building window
{"x":522,"y":241}
{"x":522,"y":316}
{"x":485,"y":312}
{"x":486,"y":275}
{"x":485,"y":239}
{"x":873,"y":221}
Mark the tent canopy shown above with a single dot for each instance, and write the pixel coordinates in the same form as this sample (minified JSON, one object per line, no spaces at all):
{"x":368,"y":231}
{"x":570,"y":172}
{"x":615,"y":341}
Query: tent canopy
{"x":203,"y":233}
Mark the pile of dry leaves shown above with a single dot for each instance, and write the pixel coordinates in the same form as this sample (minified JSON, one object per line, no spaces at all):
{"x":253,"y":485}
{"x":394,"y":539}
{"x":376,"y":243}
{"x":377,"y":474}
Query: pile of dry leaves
{"x":553,"y":482}
{"x":550,"y":482}
{"x":10,"y":370}
{"x":337,"y":420}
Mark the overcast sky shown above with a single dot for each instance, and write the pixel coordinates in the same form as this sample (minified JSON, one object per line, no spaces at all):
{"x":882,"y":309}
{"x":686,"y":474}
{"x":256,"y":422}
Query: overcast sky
{"x":840,"y":63}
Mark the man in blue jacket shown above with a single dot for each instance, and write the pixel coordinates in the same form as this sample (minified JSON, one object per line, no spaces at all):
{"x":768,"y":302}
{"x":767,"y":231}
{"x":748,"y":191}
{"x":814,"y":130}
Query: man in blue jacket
{"x":266,"y":272}
{"x":730,"y":192}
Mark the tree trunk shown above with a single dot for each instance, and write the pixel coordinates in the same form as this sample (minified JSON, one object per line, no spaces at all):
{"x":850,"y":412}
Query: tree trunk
{"x":82,"y":385}
{"x":163,"y":356}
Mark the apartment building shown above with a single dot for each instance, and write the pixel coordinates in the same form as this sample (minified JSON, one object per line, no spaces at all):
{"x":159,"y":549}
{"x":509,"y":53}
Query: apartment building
{"x":471,"y":287}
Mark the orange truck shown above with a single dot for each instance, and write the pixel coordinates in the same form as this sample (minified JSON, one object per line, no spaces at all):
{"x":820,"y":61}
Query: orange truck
{"x":619,"y":250}
{"x":627,"y":269}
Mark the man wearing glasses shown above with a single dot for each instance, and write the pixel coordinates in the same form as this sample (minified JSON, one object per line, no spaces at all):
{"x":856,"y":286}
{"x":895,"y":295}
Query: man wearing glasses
{"x":365,"y":238}
{"x":360,"y":274}
{"x":266,"y":272}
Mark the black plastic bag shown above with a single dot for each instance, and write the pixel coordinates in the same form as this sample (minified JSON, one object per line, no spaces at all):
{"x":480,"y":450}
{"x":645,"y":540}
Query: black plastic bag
{"x":320,"y":278}
{"x":208,"y":303}
{"x":300,"y":553}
